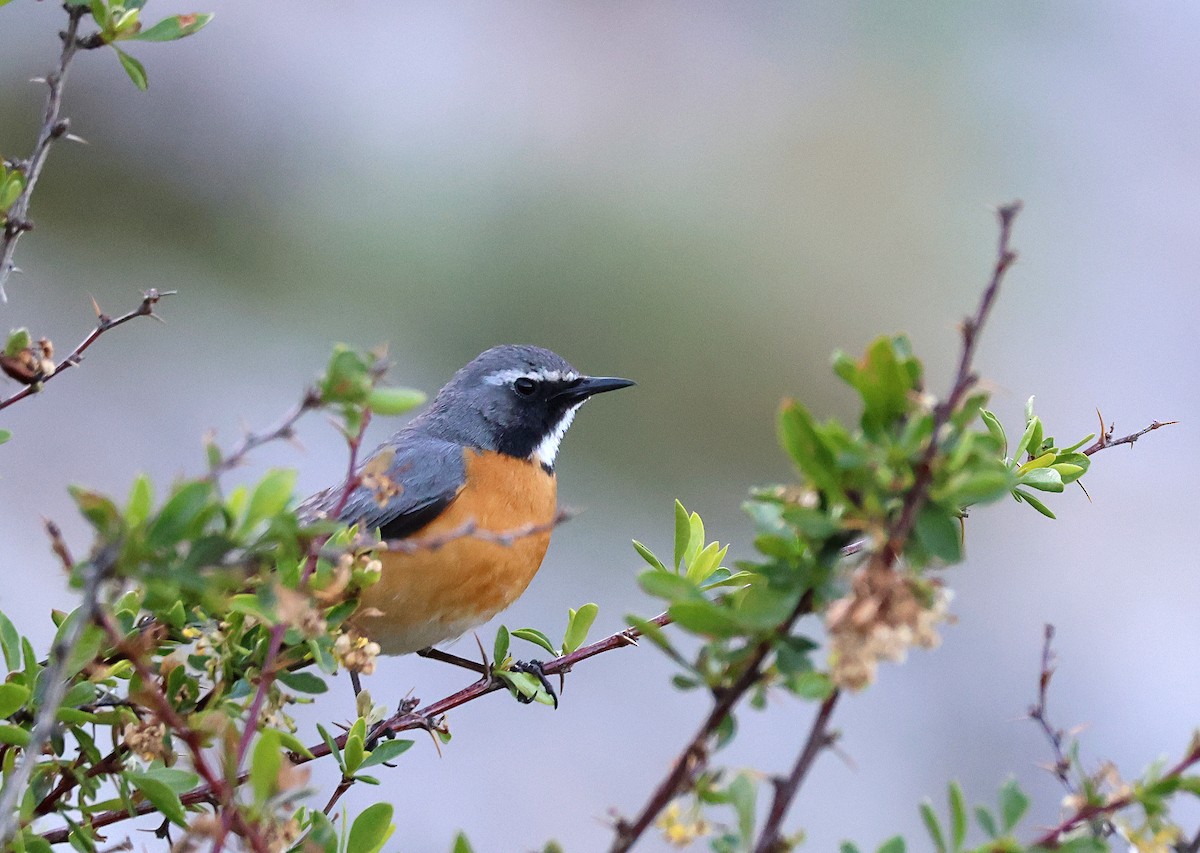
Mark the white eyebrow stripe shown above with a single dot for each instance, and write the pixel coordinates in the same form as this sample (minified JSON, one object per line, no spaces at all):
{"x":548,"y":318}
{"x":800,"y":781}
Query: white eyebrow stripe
{"x":511,"y":375}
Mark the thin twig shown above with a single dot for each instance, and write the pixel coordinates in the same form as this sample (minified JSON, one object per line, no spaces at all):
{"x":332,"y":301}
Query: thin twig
{"x":1091,"y":811}
{"x":1106,"y":435}
{"x":964,"y":380}
{"x":285,"y":430}
{"x":104,"y":323}
{"x":819,"y":738}
{"x":695,"y":755}
{"x":1062,"y":765}
{"x":405,"y":720}
{"x":55,"y":680}
{"x":52,"y":128}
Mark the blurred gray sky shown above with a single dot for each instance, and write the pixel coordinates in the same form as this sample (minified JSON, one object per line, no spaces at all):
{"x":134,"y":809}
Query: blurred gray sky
{"x":709,"y":198}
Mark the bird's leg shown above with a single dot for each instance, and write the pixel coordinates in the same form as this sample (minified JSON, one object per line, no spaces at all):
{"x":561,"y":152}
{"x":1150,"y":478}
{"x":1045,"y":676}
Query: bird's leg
{"x":534,"y":668}
{"x":446,"y":657}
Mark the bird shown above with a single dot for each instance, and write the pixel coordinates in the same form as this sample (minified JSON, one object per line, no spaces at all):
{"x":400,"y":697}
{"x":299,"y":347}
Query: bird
{"x":479,"y":458}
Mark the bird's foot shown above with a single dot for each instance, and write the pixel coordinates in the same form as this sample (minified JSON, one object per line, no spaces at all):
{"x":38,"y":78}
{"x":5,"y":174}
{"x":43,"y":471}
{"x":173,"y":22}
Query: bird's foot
{"x":534,"y":668}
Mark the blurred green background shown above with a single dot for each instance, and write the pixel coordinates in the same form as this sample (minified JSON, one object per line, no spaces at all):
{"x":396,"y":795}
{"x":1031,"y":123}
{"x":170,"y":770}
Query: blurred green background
{"x":708,"y":198}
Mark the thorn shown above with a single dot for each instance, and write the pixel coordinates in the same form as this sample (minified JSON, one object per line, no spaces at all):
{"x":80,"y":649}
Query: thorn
{"x":96,"y":308}
{"x":74,"y":137}
{"x":39,"y":80}
{"x":154,"y":316}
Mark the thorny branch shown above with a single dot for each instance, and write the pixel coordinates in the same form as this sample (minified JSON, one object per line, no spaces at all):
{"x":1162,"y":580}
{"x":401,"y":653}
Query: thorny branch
{"x":104,"y":323}
{"x":403,"y":720}
{"x":1106,"y":435}
{"x":694,"y":755}
{"x":53,"y":128}
{"x":1062,"y":764}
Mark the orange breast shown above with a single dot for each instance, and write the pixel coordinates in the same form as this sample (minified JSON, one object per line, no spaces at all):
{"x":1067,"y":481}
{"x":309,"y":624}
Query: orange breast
{"x":432,"y":596}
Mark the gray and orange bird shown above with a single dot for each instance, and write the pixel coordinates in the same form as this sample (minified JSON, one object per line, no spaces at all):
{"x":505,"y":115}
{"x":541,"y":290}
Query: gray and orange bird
{"x":481,"y":456}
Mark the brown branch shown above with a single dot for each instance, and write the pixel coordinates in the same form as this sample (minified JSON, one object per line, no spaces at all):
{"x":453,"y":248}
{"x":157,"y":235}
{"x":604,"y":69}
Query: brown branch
{"x":104,"y":323}
{"x":1062,"y":765}
{"x":1091,"y":811}
{"x":695,"y":755}
{"x":53,"y":128}
{"x":819,"y":738}
{"x":964,"y":380}
{"x":285,"y":430}
{"x":1106,"y":435}
{"x":403,"y":721}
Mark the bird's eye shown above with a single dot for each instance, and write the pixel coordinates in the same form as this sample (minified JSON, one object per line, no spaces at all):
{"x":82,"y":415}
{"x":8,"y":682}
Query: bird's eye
{"x":525,"y":386}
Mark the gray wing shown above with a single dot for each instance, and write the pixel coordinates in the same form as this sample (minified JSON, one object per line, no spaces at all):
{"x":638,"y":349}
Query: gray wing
{"x":429,"y":473}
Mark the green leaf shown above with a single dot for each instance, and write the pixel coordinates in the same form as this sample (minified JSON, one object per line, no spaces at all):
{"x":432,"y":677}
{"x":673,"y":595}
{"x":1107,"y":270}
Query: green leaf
{"x":265,"y":765}
{"x":932,"y":826}
{"x":100,"y":512}
{"x":995,"y":429}
{"x":579,"y":622}
{"x":160,"y":796}
{"x":14,"y":735}
{"x":683,"y":533}
{"x":800,"y":438}
{"x":532,"y":635}
{"x":1013,"y":804}
{"x":500,"y":646}
{"x":1026,"y":437}
{"x":294,"y":744}
{"x":701,"y":566}
{"x":462,"y":845}
{"x":892,"y":845}
{"x":141,"y":499}
{"x":394,"y":401}
{"x":135,"y":69}
{"x":385,"y":751}
{"x":174,"y":27}
{"x":12,"y":698}
{"x":179,"y":781}
{"x":958,"y":815}
{"x":702,"y":617}
{"x":10,"y":190}
{"x":10,"y":642}
{"x":648,"y":556}
{"x":742,"y":796}
{"x":5,"y":435}
{"x":938,"y":532}
{"x":331,"y":743}
{"x":179,"y":513}
{"x":1043,"y":479}
{"x":18,"y":342}
{"x":371,"y":829}
{"x":668,"y":585}
{"x":812,"y":685}
{"x":303,"y":682}
{"x":1021,"y":494}
{"x":270,"y":496}
{"x":986,"y":822}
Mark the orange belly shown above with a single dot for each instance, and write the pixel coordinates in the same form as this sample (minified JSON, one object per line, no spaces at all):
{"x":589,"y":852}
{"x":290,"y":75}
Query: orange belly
{"x":432,"y":596}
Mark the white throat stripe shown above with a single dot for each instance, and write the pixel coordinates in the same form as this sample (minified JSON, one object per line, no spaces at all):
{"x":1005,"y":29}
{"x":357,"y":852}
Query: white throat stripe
{"x":547,"y":450}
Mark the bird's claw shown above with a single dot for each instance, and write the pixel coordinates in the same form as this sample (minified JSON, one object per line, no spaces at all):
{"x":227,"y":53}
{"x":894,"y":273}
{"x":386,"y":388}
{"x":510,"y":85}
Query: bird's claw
{"x":534,"y":668}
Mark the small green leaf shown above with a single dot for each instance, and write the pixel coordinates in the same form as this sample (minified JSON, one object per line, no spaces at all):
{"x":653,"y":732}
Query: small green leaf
{"x":932,"y":826}
{"x":385,"y":751}
{"x":578,"y":624}
{"x":161,"y":796}
{"x":986,"y":822}
{"x":683,"y":533}
{"x":648,"y":556}
{"x":135,"y":69}
{"x":303,"y":682}
{"x":702,"y":617}
{"x":500,"y":646}
{"x":10,"y":642}
{"x":12,"y":698}
{"x":179,"y":513}
{"x":10,"y":190}
{"x":264,"y":765}
{"x":179,"y":781}
{"x":141,"y":499}
{"x":5,"y":435}
{"x":18,"y":342}
{"x":1013,"y":804}
{"x":462,"y":845}
{"x":1026,"y":437}
{"x":1021,"y":494}
{"x":812,"y":685}
{"x":174,"y":27}
{"x":14,"y":735}
{"x":958,"y":815}
{"x":938,"y":532}
{"x":371,"y":829}
{"x":532,"y":635}
{"x":892,"y":845}
{"x":668,"y":585}
{"x":394,"y":401}
{"x":270,"y":496}
{"x":997,"y":431}
{"x":1043,"y":479}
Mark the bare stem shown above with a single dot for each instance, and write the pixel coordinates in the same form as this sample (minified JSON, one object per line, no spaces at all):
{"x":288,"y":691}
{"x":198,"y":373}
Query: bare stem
{"x":17,"y":222}
{"x":104,"y":323}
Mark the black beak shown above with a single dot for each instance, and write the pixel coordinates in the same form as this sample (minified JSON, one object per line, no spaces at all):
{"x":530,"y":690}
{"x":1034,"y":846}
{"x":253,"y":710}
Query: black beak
{"x":591,"y":385}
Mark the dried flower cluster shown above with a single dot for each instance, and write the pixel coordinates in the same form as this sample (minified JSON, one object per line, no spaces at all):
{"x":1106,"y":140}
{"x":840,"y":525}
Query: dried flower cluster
{"x":885,"y":613}
{"x":356,"y":652}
